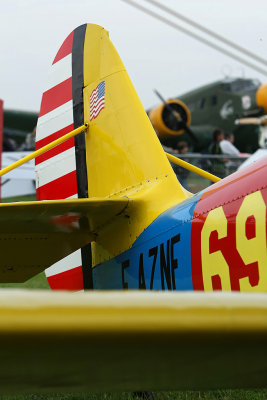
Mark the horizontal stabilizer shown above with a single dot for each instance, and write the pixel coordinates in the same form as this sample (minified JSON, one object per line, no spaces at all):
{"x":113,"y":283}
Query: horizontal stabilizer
{"x":127,"y":341}
{"x":34,"y":235}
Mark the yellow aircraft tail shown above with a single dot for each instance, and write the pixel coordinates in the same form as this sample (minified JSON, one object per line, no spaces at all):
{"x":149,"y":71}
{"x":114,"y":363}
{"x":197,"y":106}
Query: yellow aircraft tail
{"x":123,"y":154}
{"x":121,"y":143}
{"x":119,"y":156}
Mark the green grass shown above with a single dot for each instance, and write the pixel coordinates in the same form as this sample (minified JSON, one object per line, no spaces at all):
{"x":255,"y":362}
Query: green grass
{"x":18,"y":198}
{"x":188,"y":395}
{"x":37,"y":282}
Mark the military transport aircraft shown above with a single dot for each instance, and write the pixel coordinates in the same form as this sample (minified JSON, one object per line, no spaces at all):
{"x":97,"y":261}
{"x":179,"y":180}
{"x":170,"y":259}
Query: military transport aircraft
{"x":212,"y":106}
{"x":18,"y":123}
{"x":216,"y":105}
{"x":111,"y":214}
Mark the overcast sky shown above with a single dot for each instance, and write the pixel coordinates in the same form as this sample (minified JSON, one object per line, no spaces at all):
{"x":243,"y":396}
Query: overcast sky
{"x":155,"y":55}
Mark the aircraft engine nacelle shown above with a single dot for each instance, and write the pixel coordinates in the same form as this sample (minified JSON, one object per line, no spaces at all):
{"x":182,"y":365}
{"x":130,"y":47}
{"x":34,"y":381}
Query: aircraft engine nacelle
{"x":165,"y":122}
{"x":261,"y":97}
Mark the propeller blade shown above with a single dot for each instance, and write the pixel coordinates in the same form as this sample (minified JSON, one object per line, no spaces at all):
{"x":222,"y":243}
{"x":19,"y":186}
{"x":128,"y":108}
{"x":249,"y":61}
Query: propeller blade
{"x":190,"y":133}
{"x":177,"y":116}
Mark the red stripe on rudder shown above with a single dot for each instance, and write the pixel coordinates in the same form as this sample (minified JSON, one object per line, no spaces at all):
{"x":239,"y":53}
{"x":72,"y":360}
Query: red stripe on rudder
{"x":56,"y":97}
{"x":65,"y":49}
{"x":67,"y":280}
{"x":60,"y":188}
{"x":56,"y":135}
{"x":68,"y":144}
{"x":56,"y":150}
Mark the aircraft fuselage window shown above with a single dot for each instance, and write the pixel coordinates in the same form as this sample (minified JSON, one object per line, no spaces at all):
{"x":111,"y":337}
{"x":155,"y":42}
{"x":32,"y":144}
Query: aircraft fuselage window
{"x":191,"y":106}
{"x":213,"y":100}
{"x":201,"y":103}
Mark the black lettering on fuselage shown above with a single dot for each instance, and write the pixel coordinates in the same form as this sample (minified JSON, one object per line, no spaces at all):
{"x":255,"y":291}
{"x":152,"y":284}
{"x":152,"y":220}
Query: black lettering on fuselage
{"x":153,"y":252}
{"x":124,"y":265}
{"x":141,"y":274}
{"x":167,"y":264}
{"x":165,"y":271}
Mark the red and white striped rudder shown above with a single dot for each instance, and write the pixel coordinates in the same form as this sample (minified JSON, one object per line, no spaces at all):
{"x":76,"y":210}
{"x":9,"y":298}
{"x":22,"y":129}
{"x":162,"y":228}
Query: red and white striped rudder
{"x":61,"y":171}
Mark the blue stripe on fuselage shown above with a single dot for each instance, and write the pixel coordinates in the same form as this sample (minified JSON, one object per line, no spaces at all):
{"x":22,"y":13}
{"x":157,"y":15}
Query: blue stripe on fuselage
{"x":160,"y":258}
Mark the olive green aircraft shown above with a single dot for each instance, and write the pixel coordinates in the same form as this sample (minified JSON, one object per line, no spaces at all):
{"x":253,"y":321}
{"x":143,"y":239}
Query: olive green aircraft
{"x":193,"y":116}
{"x":17,"y":124}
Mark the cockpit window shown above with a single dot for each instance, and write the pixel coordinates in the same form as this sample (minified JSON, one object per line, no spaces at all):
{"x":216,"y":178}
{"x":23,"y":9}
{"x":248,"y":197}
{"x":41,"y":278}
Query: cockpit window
{"x":240,"y":85}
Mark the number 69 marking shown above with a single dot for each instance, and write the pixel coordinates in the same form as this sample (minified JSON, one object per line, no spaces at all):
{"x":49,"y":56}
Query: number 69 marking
{"x":252,"y":250}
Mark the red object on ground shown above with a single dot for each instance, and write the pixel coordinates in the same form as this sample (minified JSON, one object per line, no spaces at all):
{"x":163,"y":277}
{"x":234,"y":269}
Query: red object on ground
{"x":1,"y":136}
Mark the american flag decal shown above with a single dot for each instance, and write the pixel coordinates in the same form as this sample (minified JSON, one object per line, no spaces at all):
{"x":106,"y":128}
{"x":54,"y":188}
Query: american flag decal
{"x":97,"y":100}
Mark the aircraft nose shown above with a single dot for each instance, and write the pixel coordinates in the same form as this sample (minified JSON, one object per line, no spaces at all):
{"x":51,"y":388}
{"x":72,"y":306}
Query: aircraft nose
{"x":261,"y":97}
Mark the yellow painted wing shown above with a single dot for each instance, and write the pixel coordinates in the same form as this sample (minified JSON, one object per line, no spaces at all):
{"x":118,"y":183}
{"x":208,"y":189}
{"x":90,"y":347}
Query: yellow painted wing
{"x":102,"y":341}
{"x":34,"y":235}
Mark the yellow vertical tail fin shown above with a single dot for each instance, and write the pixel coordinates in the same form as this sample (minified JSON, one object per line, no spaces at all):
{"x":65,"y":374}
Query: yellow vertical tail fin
{"x":123,"y":154}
